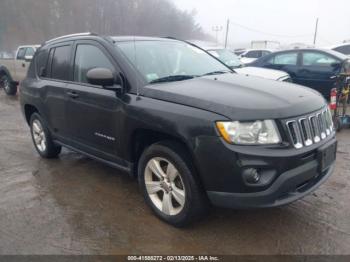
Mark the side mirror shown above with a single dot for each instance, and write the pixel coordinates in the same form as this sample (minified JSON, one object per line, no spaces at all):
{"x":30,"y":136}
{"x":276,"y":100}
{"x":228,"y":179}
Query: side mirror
{"x":100,"y":77}
{"x":28,"y":58}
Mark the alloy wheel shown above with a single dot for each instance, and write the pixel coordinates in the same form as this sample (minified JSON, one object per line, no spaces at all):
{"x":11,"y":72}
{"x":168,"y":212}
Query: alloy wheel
{"x":39,"y":136}
{"x":165,"y":186}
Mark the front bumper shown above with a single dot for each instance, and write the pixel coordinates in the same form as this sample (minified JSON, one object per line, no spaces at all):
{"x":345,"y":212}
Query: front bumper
{"x":289,"y":187}
{"x":296,"y":173}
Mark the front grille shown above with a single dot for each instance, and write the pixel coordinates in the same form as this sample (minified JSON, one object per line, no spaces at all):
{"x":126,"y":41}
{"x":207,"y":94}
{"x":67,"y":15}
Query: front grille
{"x":310,"y":129}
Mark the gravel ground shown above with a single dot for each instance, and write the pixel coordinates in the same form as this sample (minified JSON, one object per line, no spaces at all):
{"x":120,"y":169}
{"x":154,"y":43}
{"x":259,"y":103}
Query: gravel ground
{"x":75,"y":205}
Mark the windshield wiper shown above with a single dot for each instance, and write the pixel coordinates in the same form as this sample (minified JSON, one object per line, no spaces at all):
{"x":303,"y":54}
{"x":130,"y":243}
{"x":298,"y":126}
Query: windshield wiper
{"x":216,"y":73}
{"x":172,"y":78}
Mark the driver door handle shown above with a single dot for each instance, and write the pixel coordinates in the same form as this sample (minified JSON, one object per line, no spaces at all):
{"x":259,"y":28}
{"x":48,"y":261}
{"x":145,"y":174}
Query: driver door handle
{"x":72,"y":94}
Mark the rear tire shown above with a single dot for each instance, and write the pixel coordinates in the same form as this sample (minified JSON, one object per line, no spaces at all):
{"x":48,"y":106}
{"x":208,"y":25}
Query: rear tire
{"x":173,"y":192}
{"x":42,"y":139}
{"x":6,"y":83}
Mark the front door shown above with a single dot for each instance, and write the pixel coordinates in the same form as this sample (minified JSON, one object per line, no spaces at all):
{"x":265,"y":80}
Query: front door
{"x":92,"y":111}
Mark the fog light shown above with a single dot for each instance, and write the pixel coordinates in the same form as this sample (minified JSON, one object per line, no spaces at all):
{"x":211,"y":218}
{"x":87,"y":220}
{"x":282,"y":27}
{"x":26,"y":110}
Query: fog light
{"x":251,"y":176}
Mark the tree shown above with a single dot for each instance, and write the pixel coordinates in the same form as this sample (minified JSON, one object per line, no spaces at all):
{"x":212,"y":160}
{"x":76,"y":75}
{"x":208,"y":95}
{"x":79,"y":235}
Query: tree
{"x":34,"y":21}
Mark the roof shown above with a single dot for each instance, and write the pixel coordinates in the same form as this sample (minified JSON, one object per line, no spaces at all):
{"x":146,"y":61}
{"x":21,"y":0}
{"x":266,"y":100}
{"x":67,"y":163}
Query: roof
{"x":114,"y":38}
{"x":141,"y":38}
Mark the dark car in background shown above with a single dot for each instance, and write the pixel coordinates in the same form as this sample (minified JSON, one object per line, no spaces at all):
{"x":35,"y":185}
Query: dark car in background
{"x":314,"y":68}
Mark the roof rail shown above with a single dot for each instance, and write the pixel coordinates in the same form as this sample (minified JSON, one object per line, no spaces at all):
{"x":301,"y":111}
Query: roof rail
{"x":71,"y":35}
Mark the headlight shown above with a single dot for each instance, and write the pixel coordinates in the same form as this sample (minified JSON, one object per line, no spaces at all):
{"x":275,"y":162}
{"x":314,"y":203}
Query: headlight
{"x":249,"y":133}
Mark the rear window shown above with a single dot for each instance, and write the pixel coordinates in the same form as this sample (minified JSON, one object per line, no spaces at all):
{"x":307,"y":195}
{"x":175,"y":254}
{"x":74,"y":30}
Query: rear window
{"x":61,"y":62}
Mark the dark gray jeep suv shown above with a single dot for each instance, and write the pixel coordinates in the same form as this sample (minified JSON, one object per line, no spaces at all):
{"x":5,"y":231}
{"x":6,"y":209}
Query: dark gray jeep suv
{"x":189,"y":128}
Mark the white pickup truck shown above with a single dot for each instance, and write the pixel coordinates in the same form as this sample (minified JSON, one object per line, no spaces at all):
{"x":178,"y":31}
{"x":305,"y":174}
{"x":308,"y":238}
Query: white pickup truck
{"x":12,"y":71}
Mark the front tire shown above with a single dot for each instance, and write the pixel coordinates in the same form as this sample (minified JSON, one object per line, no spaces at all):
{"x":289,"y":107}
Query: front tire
{"x":42,"y":138}
{"x":169,"y":185}
{"x":9,"y":87}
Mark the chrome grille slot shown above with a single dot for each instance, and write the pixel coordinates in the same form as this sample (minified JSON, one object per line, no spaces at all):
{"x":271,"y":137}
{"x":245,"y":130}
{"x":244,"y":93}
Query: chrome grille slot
{"x":294,"y":131}
{"x":310,"y":129}
{"x":326,"y":122}
{"x":321,"y":125}
{"x":315,"y":129}
{"x":306,"y":131}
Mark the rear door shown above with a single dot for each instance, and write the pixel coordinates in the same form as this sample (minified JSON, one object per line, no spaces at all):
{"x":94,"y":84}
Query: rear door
{"x":317,"y":71}
{"x":92,"y":111}
{"x":55,"y":77}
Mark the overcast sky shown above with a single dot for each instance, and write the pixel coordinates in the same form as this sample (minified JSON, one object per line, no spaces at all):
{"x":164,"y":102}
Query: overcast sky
{"x":287,"y":21}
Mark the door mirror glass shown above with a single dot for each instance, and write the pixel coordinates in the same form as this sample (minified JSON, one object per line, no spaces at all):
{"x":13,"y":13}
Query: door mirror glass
{"x":100,"y":76}
{"x":28,"y":58}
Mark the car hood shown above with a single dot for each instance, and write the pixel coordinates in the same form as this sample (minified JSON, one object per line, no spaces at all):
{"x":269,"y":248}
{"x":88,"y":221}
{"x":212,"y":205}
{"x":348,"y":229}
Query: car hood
{"x":262,"y":72}
{"x":239,"y":97}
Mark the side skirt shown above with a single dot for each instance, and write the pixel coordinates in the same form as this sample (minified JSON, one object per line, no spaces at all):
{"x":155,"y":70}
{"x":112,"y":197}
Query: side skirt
{"x":128,"y":169}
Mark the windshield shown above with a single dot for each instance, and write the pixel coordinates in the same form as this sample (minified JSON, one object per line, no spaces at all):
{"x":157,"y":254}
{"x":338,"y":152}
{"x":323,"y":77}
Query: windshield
{"x":227,"y":57}
{"x":157,"y":60}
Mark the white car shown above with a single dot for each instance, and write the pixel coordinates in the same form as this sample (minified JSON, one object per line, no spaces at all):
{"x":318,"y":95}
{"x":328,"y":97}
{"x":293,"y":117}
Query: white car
{"x":232,"y":61}
{"x":342,"y":48}
{"x":250,"y":55}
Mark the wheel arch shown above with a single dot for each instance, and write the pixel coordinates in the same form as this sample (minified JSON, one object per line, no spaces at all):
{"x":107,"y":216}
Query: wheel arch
{"x":143,"y":138}
{"x":29,"y":110}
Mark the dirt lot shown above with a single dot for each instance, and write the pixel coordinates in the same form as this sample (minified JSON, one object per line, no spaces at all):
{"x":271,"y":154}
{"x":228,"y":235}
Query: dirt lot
{"x":74,"y":205}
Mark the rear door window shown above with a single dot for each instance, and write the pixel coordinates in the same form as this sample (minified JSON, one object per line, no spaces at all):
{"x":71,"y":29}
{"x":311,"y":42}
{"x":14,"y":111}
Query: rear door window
{"x":318,"y":59}
{"x":60,"y":66}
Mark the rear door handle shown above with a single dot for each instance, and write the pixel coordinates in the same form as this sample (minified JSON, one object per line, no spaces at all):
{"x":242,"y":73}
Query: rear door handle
{"x":73,"y":94}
